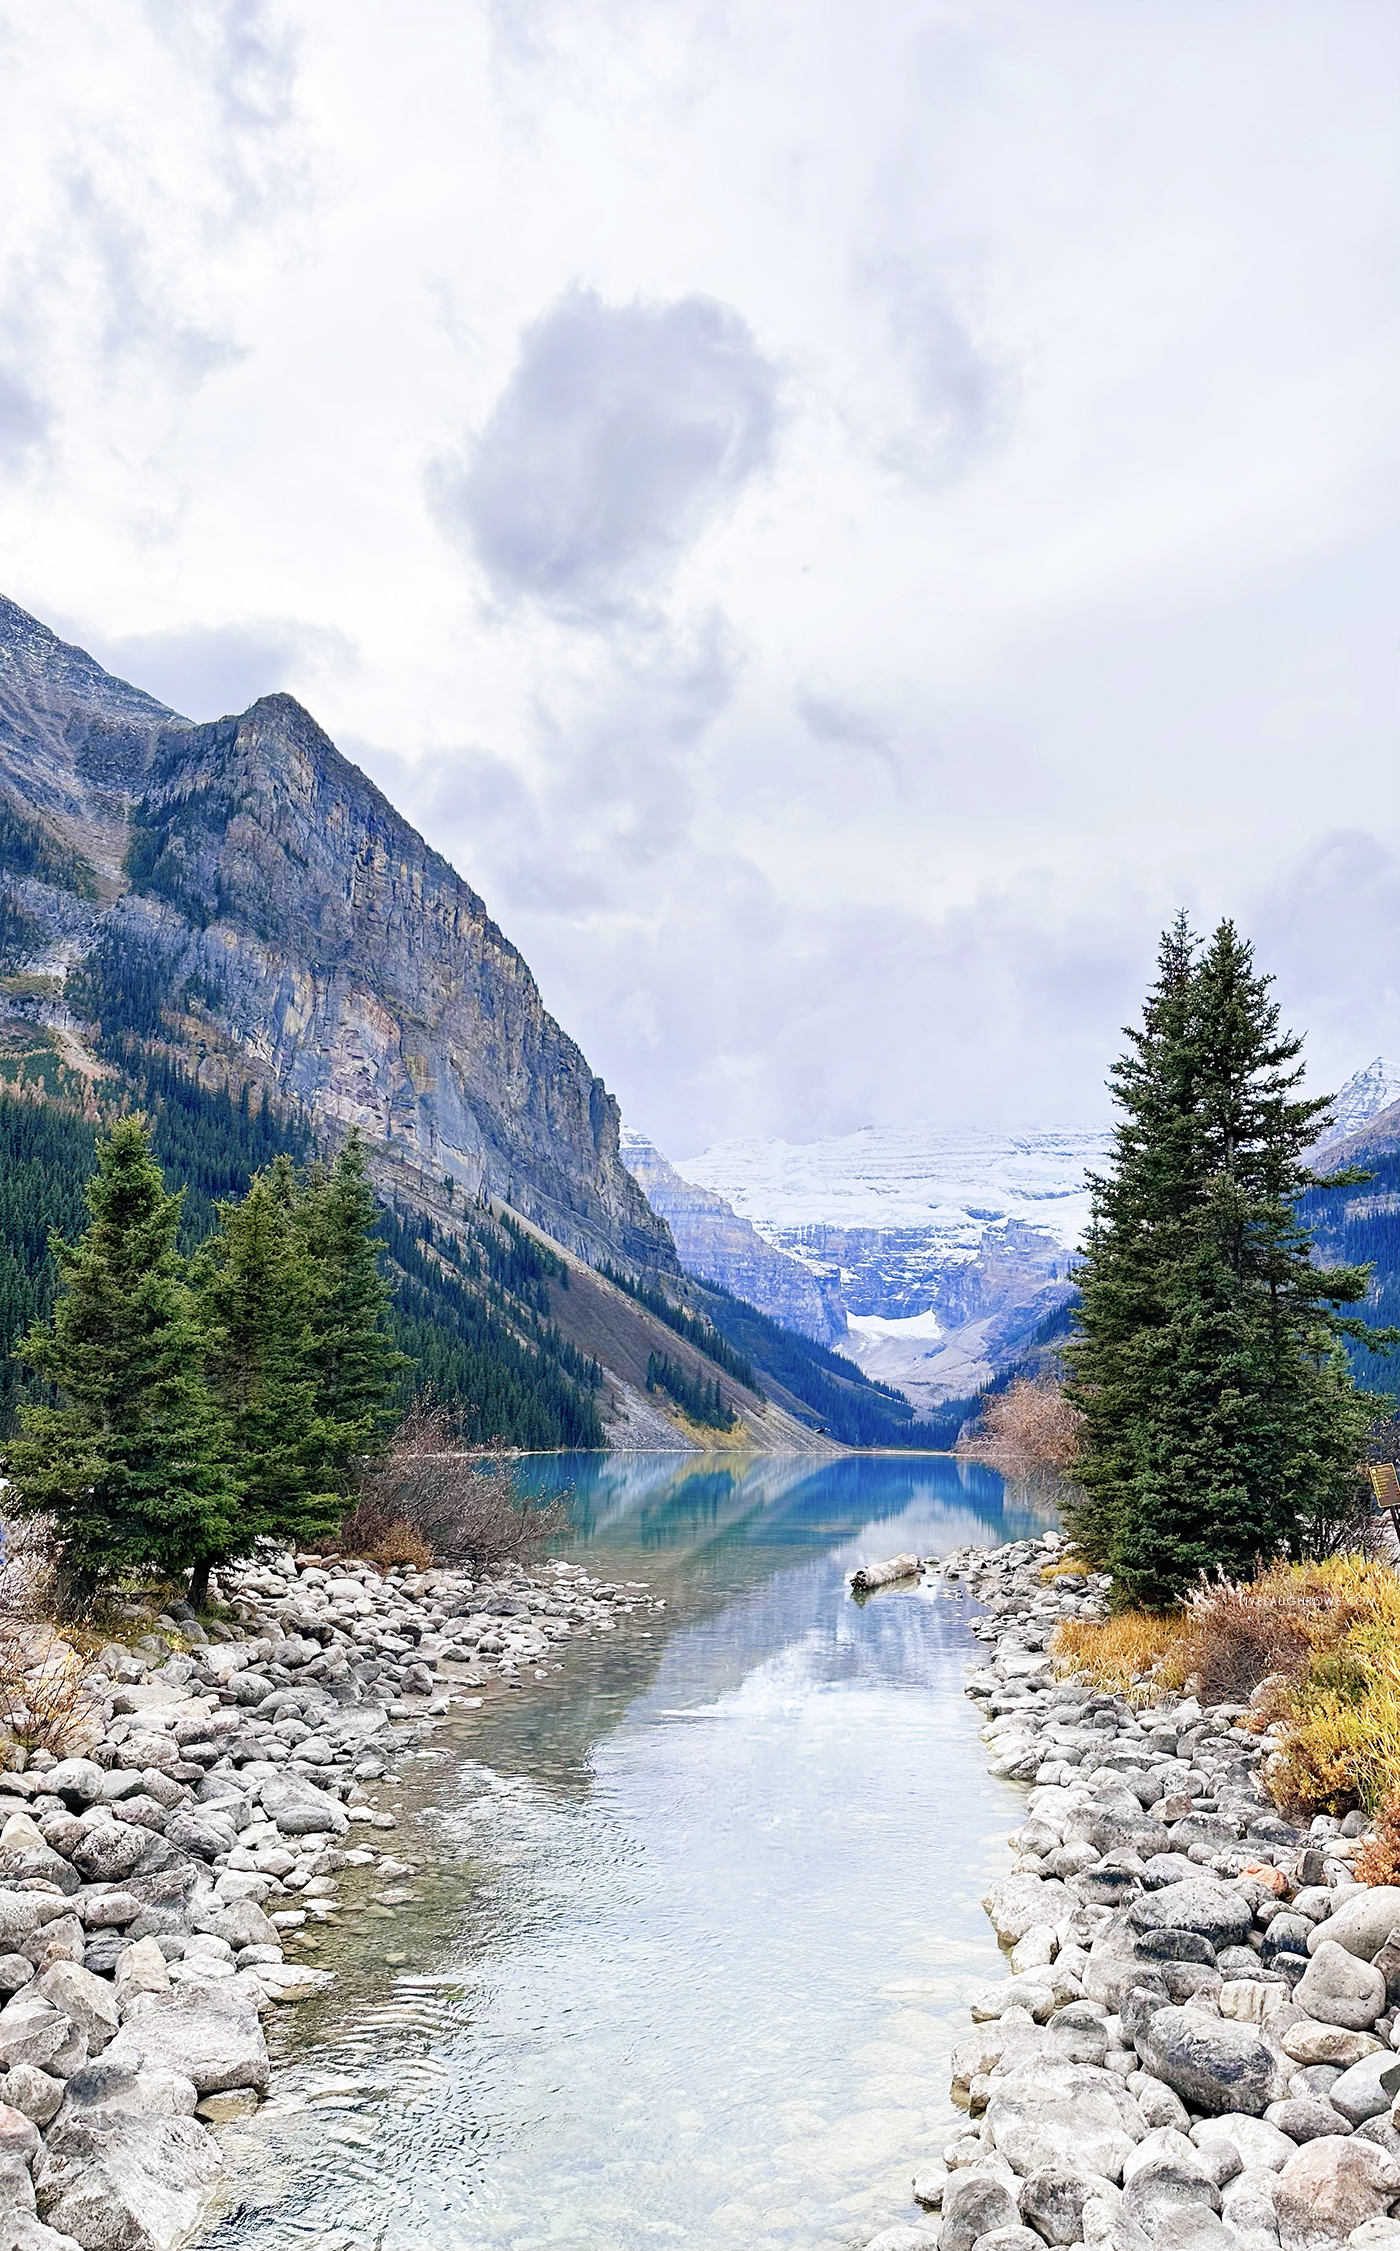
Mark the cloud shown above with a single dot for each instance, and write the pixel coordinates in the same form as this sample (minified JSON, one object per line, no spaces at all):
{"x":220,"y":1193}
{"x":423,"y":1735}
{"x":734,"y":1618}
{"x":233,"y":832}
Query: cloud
{"x":622,"y":432}
{"x":207,"y":671}
{"x":1325,"y":926}
{"x":961,"y":398}
{"x":24,"y":421}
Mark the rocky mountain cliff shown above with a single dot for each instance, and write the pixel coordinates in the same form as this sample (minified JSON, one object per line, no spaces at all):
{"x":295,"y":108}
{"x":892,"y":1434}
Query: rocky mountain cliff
{"x":243,"y":891}
{"x":715,"y":1243}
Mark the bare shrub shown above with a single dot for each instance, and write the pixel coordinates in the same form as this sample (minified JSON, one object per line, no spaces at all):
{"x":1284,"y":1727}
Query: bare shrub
{"x":457,"y":1501}
{"x":1028,"y":1430}
{"x":45,"y":1702}
{"x":1237,"y":1637}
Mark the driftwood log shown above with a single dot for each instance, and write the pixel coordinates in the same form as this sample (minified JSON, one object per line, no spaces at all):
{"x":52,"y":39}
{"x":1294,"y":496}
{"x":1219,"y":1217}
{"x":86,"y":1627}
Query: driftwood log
{"x":873,"y":1575}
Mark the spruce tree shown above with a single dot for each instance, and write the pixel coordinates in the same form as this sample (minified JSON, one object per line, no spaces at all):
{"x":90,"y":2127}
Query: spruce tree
{"x":352,"y":1357}
{"x":257,"y":1289}
{"x":1221,"y":1415}
{"x":132,"y":1462}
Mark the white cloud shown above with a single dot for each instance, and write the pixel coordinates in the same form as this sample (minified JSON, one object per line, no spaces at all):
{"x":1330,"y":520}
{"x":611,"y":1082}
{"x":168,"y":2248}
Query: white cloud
{"x":622,"y":430}
{"x":920,"y":485}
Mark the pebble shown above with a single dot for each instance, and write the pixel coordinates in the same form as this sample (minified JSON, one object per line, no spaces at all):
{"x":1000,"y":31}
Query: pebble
{"x":1225,"y":1952}
{"x":149,"y":1880}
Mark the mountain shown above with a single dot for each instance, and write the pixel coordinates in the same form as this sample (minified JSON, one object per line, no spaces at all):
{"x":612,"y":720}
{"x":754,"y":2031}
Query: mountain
{"x":1363,"y":1098}
{"x":1360,"y":1226}
{"x":716,"y":1244}
{"x":944,"y":1250}
{"x":947,"y":1252}
{"x":230,"y":926}
{"x":258,"y":887}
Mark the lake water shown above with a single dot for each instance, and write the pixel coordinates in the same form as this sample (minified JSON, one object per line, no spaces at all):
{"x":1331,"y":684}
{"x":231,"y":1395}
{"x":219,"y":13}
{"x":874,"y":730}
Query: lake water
{"x":695,"y":1924}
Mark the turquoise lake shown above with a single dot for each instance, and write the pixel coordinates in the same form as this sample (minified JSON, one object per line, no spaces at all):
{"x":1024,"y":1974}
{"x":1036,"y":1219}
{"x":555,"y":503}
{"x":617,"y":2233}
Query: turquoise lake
{"x":694,"y":1924}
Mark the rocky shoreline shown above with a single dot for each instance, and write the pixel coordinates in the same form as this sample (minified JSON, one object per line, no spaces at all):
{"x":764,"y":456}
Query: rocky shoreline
{"x":1195,"y":2048}
{"x":223,"y":1807}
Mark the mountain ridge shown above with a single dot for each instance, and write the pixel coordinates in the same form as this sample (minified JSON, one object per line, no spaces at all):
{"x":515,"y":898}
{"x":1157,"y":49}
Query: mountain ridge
{"x":303,"y":926}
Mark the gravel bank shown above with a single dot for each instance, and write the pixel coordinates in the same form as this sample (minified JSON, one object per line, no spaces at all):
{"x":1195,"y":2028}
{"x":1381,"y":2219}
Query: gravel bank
{"x":1195,"y":2047}
{"x":229,"y":1794}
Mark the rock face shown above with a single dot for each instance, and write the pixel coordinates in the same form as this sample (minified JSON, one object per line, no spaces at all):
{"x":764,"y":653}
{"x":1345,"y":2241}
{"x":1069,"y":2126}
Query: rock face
{"x":263,"y":879}
{"x":715,"y":1243}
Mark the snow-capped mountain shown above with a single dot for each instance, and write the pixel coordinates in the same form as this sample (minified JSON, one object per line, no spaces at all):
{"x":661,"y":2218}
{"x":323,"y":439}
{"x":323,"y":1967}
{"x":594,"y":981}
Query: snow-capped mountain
{"x":945,"y":1249}
{"x":953,"y":1187}
{"x":1363,"y":1097}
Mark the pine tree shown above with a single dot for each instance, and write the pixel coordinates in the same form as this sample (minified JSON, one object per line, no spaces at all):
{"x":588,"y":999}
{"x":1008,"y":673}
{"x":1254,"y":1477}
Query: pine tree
{"x":132,"y":1462}
{"x":354,"y":1362}
{"x":1221,"y":1416}
{"x":257,"y":1288}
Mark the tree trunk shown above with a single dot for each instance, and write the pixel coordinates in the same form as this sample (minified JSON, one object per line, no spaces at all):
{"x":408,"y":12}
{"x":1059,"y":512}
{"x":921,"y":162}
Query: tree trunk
{"x":199,"y":1584}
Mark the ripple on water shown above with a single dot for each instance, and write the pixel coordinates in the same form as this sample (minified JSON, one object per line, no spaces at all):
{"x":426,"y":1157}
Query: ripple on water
{"x":694,"y":1927}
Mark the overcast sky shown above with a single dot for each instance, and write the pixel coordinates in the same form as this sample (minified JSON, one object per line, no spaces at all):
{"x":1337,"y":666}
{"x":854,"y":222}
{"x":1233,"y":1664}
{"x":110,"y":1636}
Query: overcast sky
{"x":836,"y":518}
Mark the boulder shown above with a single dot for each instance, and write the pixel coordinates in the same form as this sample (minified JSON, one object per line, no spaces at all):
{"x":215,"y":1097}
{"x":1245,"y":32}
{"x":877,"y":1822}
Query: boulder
{"x":1052,"y":2201}
{"x":1167,"y":2147}
{"x":1034,"y":1993}
{"x":213,"y":2047}
{"x":301,"y":1810}
{"x":1367,"y":2089}
{"x":19,"y":2136}
{"x":33,"y":2031}
{"x":110,"y":1851}
{"x":1311,"y":2042}
{"x":204,"y":1838}
{"x":24,"y":1863}
{"x":1339,"y":1988}
{"x":1286,"y":1934}
{"x":1015,"y":1904}
{"x":1073,"y":2116}
{"x":975,"y":2204}
{"x":103,"y":2091}
{"x":141,"y":1968}
{"x":1212,"y":1910}
{"x":107,"y":1910}
{"x":1329,"y":2188}
{"x":1162,"y":2186}
{"x":1260,"y":2146}
{"x":136,"y":2184}
{"x":241,"y":1922}
{"x":1247,"y":2202}
{"x":89,"y":2002}
{"x":25,"y":1912}
{"x":1009,"y":2239}
{"x":33,"y":2092}
{"x":1362,"y":1924}
{"x":907,"y":2236}
{"x":1213,"y":2065}
{"x":79,"y":1782}
{"x":1159,"y":2104}
{"x":1306,"y":2118}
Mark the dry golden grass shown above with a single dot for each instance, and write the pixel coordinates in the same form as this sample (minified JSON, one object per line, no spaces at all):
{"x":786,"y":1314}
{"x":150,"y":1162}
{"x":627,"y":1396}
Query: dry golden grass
{"x":1314,"y":1646}
{"x":1129,"y":1654}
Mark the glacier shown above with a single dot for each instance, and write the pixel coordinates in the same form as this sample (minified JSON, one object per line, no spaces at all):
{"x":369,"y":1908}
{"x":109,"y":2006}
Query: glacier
{"x":942,"y":1250}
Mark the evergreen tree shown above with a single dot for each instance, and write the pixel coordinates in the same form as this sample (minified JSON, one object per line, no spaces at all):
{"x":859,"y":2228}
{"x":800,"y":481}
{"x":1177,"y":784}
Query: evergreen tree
{"x":352,"y":1356}
{"x":257,"y":1288}
{"x":1221,"y":1414}
{"x":132,"y":1460}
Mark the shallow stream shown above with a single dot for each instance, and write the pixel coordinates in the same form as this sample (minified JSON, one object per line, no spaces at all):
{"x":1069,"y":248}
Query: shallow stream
{"x":695,"y":1922}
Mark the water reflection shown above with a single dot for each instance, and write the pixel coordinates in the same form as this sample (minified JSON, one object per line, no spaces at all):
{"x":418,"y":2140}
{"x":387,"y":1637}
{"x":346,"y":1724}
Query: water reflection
{"x":695,"y":1922}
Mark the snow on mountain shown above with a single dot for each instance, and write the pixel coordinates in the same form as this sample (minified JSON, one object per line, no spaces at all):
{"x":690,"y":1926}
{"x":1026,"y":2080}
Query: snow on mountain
{"x":946,"y":1249}
{"x":953,"y":1187}
{"x":1363,"y":1096}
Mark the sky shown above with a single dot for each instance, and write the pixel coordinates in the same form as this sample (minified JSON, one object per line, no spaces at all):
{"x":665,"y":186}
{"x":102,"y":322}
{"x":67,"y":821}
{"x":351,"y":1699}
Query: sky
{"x":838,"y":520}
